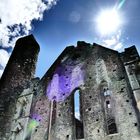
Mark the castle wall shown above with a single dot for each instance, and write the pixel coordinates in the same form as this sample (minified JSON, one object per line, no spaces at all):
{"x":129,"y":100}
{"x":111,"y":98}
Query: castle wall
{"x":17,"y":75}
{"x":108,"y":85}
{"x":106,"y":70}
{"x":45,"y":105}
{"x":24,"y":121}
{"x":107,"y":105}
{"x":131,"y":63}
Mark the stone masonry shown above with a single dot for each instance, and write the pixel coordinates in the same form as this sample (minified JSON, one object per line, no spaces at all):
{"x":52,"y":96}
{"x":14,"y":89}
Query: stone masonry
{"x":108,"y":83}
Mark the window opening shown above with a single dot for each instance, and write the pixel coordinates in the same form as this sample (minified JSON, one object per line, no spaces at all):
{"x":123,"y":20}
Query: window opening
{"x":107,"y":92}
{"x":108,"y":104}
{"x":111,"y":127}
{"x":77,"y":116}
{"x":76,"y":105}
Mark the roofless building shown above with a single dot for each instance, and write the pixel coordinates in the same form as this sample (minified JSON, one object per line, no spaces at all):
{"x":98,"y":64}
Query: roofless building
{"x":101,"y":85}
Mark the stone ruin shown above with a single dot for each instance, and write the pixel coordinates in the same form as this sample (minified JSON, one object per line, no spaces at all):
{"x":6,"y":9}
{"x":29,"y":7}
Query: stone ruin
{"x":108,"y":84}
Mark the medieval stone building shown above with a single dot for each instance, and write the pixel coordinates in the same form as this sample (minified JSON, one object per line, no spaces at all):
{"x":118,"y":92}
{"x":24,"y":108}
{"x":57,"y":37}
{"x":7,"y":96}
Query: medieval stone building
{"x":108,"y":84}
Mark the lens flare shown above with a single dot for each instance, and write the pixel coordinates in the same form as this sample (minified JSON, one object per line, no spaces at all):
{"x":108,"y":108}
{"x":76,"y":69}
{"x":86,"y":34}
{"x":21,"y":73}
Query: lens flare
{"x":121,"y":4}
{"x":33,"y":124}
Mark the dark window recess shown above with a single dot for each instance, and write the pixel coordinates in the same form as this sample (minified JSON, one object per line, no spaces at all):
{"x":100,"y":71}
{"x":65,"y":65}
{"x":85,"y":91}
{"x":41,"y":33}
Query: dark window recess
{"x":89,"y":109}
{"x":108,"y":104}
{"x":79,"y":129}
{"x":111,"y":126}
{"x":21,"y":112}
{"x":122,"y":77}
{"x":54,"y":105}
{"x":67,"y":136}
{"x":127,"y":100}
{"x":78,"y":122}
{"x":122,"y":90}
{"x":135,"y":124}
{"x":114,"y":70}
{"x":35,"y":93}
{"x":130,"y":113}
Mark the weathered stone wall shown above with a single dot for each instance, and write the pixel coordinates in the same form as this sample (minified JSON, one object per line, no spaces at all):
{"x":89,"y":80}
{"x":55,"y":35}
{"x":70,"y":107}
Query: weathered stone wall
{"x":90,"y":69}
{"x":108,"y":84}
{"x":106,"y":70}
{"x":24,"y":122}
{"x":16,"y":77}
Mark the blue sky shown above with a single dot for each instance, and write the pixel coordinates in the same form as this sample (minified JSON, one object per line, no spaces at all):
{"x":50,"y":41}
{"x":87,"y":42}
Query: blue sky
{"x":65,"y":22}
{"x":60,"y":23}
{"x":70,"y":21}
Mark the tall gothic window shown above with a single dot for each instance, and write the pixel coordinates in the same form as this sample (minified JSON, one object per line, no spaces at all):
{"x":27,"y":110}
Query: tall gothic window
{"x":111,"y":127}
{"x":77,"y":116}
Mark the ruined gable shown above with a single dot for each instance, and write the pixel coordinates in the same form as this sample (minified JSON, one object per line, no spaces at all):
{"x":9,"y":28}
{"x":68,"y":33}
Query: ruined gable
{"x":44,"y":109}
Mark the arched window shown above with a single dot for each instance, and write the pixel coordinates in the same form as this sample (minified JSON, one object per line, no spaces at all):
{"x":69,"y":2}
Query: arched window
{"x":108,"y":105}
{"x":78,"y":116}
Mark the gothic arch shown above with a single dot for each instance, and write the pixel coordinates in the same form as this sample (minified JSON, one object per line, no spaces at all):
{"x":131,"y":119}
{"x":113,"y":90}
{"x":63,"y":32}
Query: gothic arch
{"x":78,"y":115}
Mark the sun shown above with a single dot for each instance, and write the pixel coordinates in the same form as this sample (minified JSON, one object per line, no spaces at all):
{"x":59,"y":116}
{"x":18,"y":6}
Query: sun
{"x":108,"y":21}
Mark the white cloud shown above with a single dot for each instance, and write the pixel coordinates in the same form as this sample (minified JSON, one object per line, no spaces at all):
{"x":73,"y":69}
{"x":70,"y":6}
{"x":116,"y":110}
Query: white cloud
{"x":4,"y":56}
{"x":1,"y":71}
{"x":110,"y":42}
{"x":16,"y":17}
{"x":118,"y":46}
{"x":114,"y":41}
{"x":77,"y":115}
{"x":16,"y":21}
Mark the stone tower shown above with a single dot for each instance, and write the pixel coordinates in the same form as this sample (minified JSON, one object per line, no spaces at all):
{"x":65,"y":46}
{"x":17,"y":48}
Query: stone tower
{"x":17,"y":76}
{"x":108,"y":84}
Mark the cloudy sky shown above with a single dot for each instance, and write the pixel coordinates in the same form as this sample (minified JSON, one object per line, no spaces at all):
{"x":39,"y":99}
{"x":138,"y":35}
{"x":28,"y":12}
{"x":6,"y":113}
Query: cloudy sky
{"x":59,"y":23}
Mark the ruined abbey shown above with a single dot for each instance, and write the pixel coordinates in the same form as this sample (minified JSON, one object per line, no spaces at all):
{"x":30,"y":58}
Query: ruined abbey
{"x":108,"y":83}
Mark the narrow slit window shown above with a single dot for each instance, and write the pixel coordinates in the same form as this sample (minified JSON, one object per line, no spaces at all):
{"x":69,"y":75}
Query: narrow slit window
{"x":107,"y":92}
{"x":111,"y":125}
{"x":77,"y":116}
{"x":77,"y":105}
{"x":108,"y":103}
{"x":110,"y":119}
